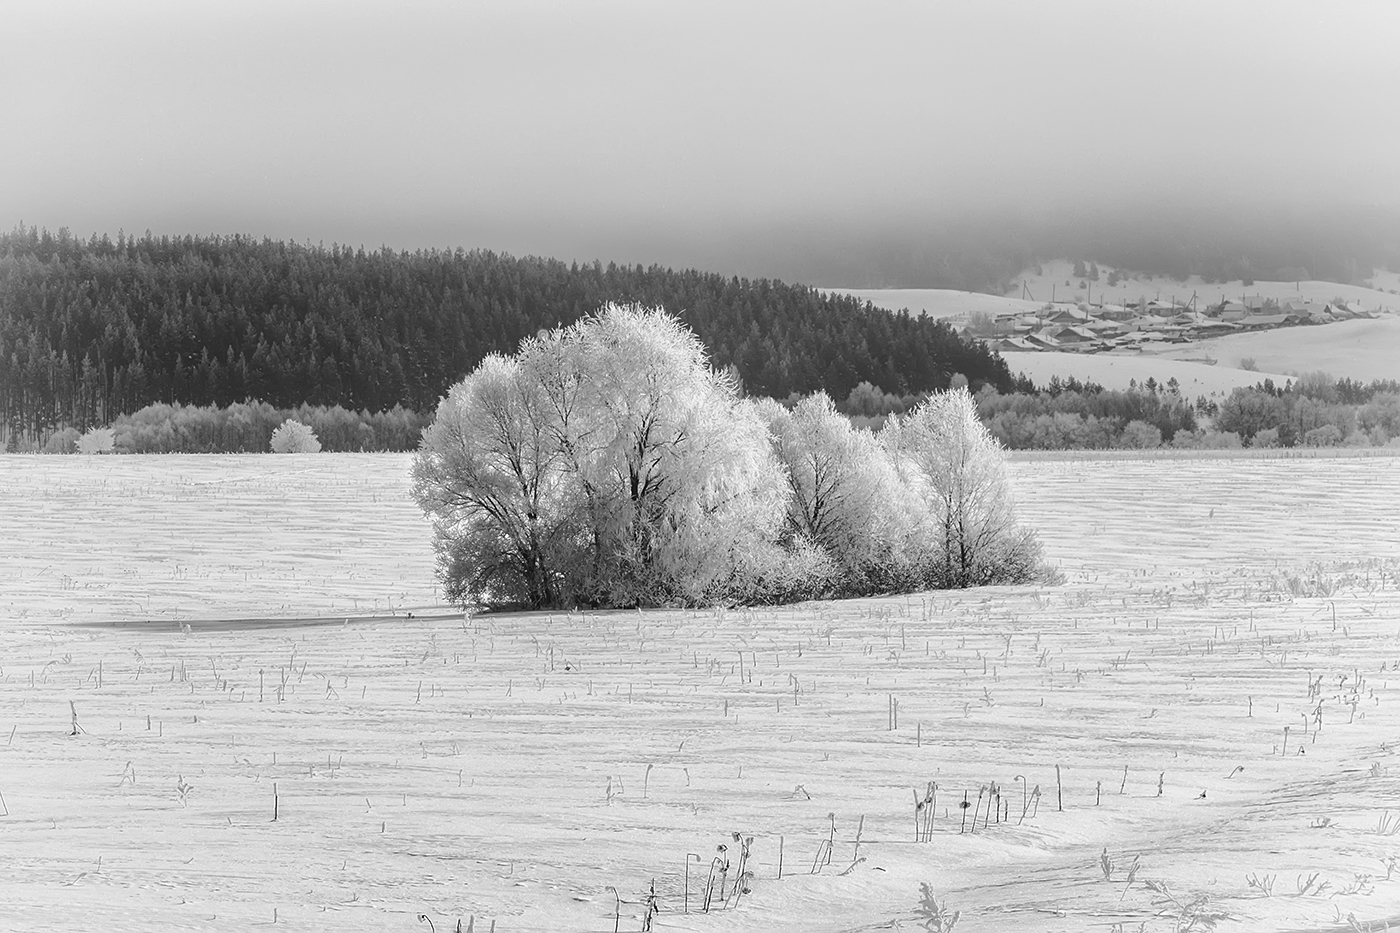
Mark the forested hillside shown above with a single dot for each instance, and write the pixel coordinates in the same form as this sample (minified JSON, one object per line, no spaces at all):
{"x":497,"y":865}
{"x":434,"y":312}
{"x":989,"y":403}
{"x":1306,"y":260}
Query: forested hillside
{"x":91,"y":329}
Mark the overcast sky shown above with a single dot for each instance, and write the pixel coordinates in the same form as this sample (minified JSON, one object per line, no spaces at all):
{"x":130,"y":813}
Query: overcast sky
{"x":654,"y":130}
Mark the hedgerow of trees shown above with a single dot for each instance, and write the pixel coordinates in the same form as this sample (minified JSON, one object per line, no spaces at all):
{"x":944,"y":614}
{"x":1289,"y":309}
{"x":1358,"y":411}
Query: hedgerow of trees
{"x":1314,"y":410}
{"x":609,"y":464}
{"x":1066,"y":414}
{"x":94,"y":329}
{"x":242,"y":427}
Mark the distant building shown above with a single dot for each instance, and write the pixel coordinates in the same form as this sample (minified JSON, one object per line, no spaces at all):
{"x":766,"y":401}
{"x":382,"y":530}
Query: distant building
{"x":1106,"y":328}
{"x":1118,"y":312}
{"x":1261,"y":321}
{"x":1068,"y":316}
{"x":1075,"y":335}
{"x":1043,"y":340}
{"x":1233,"y":311}
{"x":1217,"y":328}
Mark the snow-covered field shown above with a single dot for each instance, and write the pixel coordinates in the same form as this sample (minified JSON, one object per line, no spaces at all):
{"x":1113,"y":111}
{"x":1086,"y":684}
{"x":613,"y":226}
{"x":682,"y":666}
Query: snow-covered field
{"x":1362,"y":350}
{"x":518,"y":769}
{"x":941,"y":302}
{"x":210,"y":537}
{"x":1119,"y":371}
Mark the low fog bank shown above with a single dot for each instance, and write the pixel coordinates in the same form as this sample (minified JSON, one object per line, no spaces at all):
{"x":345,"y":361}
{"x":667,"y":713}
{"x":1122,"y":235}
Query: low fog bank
{"x":987,"y":252}
{"x":974,"y":250}
{"x":893,"y":144}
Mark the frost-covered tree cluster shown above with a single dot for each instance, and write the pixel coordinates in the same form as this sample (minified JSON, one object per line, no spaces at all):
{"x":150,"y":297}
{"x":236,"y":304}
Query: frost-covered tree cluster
{"x":607,"y":464}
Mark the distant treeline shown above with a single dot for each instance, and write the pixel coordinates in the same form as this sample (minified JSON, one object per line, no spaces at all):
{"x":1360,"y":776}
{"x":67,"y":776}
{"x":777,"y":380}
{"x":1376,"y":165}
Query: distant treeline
{"x":94,"y":329}
{"x":1067,"y":414}
{"x":1313,"y":411}
{"x":243,"y":427}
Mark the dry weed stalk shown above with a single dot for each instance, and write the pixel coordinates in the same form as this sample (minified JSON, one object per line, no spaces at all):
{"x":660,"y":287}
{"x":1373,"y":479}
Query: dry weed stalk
{"x":823,"y":856}
{"x":924,"y":811}
{"x":183,"y":788}
{"x":652,"y":907}
{"x":1312,"y":885}
{"x":1186,"y":913}
{"x":934,"y":914}
{"x":1264,"y":884}
{"x":743,"y":878}
{"x":719,"y":866}
{"x":1132,"y":876}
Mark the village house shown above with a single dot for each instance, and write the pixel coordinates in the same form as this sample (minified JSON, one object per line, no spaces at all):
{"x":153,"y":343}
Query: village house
{"x":1074,"y":335}
{"x":1261,"y":321}
{"x":1217,"y":328}
{"x":1106,"y":329}
{"x":1043,"y":339}
{"x":1117,"y":312}
{"x":1068,"y":315}
{"x":1232,"y":311}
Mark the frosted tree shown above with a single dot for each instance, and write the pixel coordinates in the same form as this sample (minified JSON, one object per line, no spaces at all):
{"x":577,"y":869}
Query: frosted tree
{"x":97,"y":441}
{"x":606,"y":464}
{"x":955,"y":474}
{"x":845,"y":496}
{"x":490,"y":473}
{"x":293,"y":437}
{"x":1139,"y":435}
{"x":688,"y":489}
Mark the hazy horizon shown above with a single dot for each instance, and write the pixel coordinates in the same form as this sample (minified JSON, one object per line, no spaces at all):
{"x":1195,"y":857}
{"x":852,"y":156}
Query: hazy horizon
{"x":811,"y":141}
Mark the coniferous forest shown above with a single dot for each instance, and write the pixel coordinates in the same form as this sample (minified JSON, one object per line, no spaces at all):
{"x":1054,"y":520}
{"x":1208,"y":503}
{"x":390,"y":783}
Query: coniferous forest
{"x":97,"y":328}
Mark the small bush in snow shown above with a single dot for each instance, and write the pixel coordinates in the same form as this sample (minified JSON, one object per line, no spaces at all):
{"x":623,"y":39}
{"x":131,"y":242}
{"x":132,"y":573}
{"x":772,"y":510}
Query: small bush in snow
{"x":293,"y":437}
{"x":1329,"y":435}
{"x":1139,"y":435}
{"x":62,"y":442}
{"x":97,"y":441}
{"x":1267,"y":438}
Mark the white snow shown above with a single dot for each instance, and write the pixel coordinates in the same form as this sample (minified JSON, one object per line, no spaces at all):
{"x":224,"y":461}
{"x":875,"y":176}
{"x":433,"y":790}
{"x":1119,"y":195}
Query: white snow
{"x":459,"y":768}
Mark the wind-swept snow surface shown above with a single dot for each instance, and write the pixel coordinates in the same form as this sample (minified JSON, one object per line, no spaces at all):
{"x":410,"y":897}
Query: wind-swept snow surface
{"x":1213,"y":682}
